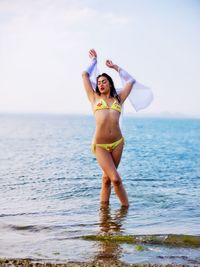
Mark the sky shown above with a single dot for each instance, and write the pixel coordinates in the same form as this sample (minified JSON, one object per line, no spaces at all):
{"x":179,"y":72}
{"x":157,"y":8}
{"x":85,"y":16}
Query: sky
{"x":44,"y":48}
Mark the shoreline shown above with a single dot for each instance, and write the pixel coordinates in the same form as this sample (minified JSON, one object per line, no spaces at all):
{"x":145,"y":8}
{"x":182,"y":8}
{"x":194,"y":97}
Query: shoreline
{"x":9,"y":262}
{"x":107,"y":257}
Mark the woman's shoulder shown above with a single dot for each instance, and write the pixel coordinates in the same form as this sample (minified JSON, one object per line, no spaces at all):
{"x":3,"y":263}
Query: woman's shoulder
{"x":117,"y":99}
{"x":96,"y":98}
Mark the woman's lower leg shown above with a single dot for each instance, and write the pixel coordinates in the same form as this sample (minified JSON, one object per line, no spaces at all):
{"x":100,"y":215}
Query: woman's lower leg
{"x":120,"y":191}
{"x":105,"y":189}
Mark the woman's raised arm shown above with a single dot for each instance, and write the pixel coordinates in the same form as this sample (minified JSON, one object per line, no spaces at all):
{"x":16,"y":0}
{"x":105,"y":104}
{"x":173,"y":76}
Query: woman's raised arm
{"x":129,"y":80}
{"x":86,"y":73}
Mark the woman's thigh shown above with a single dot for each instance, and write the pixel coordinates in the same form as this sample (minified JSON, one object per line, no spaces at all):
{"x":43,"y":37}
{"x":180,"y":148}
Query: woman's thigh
{"x":117,"y":154}
{"x":106,"y":162}
{"x":109,"y":161}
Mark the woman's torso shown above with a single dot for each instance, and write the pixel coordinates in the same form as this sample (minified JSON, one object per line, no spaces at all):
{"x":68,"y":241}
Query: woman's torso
{"x":107,"y":113}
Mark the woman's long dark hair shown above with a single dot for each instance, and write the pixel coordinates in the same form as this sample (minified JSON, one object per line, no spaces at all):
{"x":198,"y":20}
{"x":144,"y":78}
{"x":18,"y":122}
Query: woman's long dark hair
{"x":113,"y":92}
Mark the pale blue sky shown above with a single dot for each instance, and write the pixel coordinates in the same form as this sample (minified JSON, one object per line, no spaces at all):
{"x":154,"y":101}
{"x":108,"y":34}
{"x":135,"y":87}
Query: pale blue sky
{"x":44,"y":48}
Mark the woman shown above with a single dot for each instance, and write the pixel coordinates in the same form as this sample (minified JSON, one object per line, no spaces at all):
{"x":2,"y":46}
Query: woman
{"x":108,"y":142}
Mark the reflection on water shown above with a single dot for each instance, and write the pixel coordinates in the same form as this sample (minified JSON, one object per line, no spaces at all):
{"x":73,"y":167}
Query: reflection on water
{"x":110,"y":224}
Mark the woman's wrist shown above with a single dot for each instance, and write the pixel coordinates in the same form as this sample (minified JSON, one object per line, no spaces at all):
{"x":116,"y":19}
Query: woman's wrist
{"x":94,"y":59}
{"x":91,"y":67}
{"x":116,"y":67}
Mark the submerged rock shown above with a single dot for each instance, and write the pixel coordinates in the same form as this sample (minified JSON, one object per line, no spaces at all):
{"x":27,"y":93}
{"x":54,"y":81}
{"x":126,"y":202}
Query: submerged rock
{"x":172,"y":240}
{"x":139,"y":248}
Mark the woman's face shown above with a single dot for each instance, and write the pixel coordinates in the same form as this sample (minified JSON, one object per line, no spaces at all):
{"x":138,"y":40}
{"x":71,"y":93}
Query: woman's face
{"x":103,"y":85}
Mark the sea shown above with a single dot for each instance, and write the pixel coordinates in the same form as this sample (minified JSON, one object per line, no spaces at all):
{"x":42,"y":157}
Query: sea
{"x":50,"y":184}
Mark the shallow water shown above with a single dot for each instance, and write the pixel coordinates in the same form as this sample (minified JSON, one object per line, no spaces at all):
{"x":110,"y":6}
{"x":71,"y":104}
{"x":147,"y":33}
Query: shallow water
{"x":50,"y":183}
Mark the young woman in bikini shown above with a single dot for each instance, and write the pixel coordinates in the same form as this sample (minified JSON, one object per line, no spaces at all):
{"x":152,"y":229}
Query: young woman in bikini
{"x":108,"y":142}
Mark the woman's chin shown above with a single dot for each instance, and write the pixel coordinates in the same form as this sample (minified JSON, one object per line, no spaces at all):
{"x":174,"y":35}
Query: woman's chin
{"x":103,"y":91}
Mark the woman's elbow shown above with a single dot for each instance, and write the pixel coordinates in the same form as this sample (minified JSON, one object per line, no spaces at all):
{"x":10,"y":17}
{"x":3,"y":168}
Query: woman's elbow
{"x":84,"y":74}
{"x":132,"y":81}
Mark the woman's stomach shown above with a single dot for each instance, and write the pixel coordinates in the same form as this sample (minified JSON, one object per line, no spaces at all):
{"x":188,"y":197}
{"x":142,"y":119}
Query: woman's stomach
{"x":106,"y":134}
{"x":107,"y":127}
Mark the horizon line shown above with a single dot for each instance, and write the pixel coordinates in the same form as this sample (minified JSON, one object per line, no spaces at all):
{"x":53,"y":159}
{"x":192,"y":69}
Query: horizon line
{"x":127,"y":114}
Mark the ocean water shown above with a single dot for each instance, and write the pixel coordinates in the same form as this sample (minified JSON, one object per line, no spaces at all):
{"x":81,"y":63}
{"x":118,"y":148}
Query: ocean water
{"x":50,"y":184}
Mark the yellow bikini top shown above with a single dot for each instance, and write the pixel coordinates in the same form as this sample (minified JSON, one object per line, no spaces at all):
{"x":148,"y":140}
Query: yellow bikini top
{"x":101,"y":104}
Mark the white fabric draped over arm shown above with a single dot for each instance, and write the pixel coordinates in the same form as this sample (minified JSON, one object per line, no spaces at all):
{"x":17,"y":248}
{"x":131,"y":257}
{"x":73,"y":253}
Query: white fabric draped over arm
{"x":140,"y":96}
{"x":93,"y":72}
{"x":125,"y":77}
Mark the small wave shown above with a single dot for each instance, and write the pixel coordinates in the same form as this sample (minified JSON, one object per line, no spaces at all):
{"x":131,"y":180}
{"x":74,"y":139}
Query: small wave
{"x":30,"y":228}
{"x":52,"y":228}
{"x":145,"y":180}
{"x":18,"y":214}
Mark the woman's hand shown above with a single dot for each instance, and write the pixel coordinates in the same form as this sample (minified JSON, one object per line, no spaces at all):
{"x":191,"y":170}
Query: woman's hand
{"x":111,"y":65}
{"x":92,"y":54}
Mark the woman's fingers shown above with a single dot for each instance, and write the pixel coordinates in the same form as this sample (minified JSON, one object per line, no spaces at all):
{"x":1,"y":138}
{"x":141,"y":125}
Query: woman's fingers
{"x":109,"y":63}
{"x":92,"y":53}
{"x":95,"y":53}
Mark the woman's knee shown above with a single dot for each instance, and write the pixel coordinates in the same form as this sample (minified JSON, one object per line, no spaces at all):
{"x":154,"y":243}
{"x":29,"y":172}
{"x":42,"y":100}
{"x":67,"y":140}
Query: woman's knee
{"x":116,"y":180}
{"x":106,"y":180}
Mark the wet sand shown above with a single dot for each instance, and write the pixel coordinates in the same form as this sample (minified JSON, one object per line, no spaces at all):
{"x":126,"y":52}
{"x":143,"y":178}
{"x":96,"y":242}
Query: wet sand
{"x":110,"y":263}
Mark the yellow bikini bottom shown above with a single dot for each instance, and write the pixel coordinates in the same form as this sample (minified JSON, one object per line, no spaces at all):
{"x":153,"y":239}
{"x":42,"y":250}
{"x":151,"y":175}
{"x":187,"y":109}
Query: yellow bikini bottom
{"x":108,"y":147}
